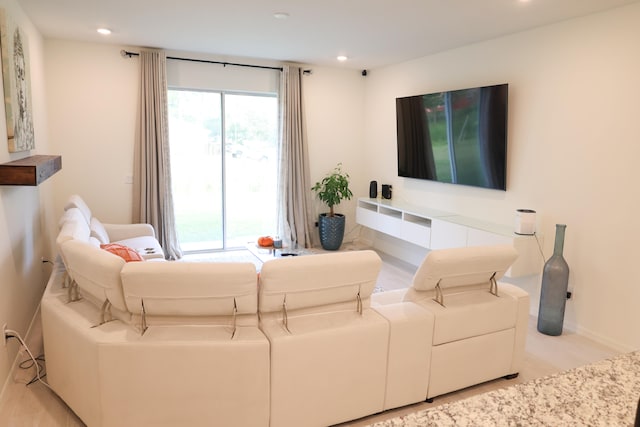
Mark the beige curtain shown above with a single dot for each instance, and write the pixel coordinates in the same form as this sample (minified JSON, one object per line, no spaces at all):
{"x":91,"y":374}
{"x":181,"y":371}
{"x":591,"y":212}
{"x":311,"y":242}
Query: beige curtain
{"x":294,"y":214}
{"x":152,"y":199}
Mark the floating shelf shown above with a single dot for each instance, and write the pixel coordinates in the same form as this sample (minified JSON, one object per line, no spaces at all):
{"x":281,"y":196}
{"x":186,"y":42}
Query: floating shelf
{"x":31,"y":170}
{"x":433,"y":229}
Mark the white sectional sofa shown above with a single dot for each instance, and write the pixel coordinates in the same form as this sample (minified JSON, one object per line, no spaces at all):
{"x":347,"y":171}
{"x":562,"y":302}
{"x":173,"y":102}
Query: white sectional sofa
{"x":304,"y":343}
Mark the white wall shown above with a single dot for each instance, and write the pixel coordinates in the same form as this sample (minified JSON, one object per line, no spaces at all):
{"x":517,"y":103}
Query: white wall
{"x":206,"y":76}
{"x":25,"y":212}
{"x":93,"y":105}
{"x":572,"y":156}
{"x":334,"y":112}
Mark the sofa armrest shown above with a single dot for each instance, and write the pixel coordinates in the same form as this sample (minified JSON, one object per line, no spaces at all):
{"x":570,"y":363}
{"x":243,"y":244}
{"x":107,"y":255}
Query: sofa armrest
{"x":522,"y":322}
{"x":128,"y":231}
{"x":409,"y":357}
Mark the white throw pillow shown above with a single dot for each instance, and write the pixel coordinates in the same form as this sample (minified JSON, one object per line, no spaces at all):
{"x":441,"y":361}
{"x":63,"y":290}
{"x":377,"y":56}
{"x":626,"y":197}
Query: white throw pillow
{"x":98,"y":231}
{"x":76,"y":201}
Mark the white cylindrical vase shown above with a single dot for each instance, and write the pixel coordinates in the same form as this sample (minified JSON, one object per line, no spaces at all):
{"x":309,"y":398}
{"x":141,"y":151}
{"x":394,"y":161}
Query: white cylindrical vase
{"x":525,"y":222}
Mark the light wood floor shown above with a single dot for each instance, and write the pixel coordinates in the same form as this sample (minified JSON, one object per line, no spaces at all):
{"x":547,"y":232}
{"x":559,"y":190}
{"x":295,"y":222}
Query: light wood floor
{"x":35,"y":405}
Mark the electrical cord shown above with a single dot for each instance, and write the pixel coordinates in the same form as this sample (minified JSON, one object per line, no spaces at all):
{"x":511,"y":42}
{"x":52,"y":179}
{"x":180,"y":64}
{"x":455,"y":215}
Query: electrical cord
{"x":28,"y":363}
{"x":539,"y":246}
{"x":10,"y":333}
{"x":354,"y":228}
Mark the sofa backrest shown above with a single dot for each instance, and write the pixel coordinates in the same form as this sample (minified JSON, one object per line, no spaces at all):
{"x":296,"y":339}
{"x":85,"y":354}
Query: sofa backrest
{"x":316,"y":281}
{"x":463,"y":266}
{"x":75,"y":201}
{"x":96,"y":271}
{"x":73,"y":226}
{"x":71,"y":214}
{"x":190,"y":288}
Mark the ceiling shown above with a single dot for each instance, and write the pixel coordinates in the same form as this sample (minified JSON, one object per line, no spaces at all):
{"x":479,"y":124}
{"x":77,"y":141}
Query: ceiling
{"x":372,"y":33}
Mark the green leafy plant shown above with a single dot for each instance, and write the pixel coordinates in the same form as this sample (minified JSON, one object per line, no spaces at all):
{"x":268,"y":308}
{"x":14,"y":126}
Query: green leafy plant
{"x":333,"y":188}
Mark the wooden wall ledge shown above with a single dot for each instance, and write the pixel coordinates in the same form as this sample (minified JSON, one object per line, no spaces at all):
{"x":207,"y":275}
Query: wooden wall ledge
{"x":32,"y":170}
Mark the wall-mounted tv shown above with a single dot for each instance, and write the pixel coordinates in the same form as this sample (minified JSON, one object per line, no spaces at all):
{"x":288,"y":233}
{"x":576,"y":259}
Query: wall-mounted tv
{"x":457,"y":136}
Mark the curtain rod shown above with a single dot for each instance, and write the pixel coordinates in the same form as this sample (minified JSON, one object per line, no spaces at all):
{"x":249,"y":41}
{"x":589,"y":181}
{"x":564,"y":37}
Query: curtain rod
{"x":130,"y":54}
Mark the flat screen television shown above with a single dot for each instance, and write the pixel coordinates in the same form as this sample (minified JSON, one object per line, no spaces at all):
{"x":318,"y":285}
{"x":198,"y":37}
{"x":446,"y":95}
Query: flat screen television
{"x":457,"y":136}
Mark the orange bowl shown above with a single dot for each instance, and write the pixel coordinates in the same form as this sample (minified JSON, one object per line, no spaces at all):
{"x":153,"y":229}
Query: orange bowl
{"x":265,"y":241}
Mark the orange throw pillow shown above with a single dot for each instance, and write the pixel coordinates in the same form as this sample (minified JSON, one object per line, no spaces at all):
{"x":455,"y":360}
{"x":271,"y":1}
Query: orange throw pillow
{"x":124,"y":252}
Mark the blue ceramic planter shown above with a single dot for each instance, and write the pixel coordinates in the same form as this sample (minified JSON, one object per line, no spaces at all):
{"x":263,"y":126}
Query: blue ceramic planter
{"x":331,"y":230}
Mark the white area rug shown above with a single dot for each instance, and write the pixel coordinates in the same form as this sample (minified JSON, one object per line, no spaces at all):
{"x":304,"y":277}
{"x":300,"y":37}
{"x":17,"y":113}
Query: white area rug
{"x":604,"y":393}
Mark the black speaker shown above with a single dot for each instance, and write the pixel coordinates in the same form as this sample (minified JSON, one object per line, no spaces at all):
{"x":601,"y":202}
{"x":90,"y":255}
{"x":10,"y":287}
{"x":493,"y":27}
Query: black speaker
{"x":386,"y":191}
{"x":373,"y":189}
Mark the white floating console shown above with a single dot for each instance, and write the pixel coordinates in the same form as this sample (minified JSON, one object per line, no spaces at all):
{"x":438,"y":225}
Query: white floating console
{"x":434,"y":229}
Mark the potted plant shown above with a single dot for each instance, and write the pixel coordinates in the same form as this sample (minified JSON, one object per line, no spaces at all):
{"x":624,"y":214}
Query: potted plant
{"x":332,"y":190}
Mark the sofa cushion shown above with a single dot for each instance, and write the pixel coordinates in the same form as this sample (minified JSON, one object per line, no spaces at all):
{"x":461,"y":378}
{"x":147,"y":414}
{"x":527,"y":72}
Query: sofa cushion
{"x":317,"y":280}
{"x":97,"y":272}
{"x":72,"y":214}
{"x":98,"y":231}
{"x":124,"y":252}
{"x":75,"y":201}
{"x":190,"y":288}
{"x":463,"y":266}
{"x":74,"y":227}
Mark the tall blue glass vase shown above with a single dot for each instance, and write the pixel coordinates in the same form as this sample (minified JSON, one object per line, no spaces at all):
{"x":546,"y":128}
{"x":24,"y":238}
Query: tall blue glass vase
{"x":553,"y":294}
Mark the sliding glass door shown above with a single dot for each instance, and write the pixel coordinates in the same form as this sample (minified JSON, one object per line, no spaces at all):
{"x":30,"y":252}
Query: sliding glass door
{"x":224,"y":160}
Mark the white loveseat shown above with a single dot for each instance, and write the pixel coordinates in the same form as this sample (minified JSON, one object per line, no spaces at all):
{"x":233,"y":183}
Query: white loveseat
{"x":304,"y":343}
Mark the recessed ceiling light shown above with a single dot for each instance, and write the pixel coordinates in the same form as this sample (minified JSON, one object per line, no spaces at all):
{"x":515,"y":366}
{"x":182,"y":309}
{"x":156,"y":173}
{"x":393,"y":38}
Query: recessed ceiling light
{"x":342,"y":58}
{"x":281,"y":15}
{"x":104,"y":31}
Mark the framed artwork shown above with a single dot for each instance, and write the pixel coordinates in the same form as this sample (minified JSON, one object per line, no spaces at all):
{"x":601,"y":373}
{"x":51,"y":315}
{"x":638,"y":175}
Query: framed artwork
{"x":17,"y":85}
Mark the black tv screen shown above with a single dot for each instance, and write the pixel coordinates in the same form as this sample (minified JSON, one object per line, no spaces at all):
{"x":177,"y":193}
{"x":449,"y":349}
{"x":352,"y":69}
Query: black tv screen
{"x":457,"y":136}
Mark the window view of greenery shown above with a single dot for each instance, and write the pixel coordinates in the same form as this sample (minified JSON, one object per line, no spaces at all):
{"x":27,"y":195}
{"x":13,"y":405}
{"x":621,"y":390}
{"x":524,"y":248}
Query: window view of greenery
{"x":462,"y":155}
{"x":224,"y":180}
